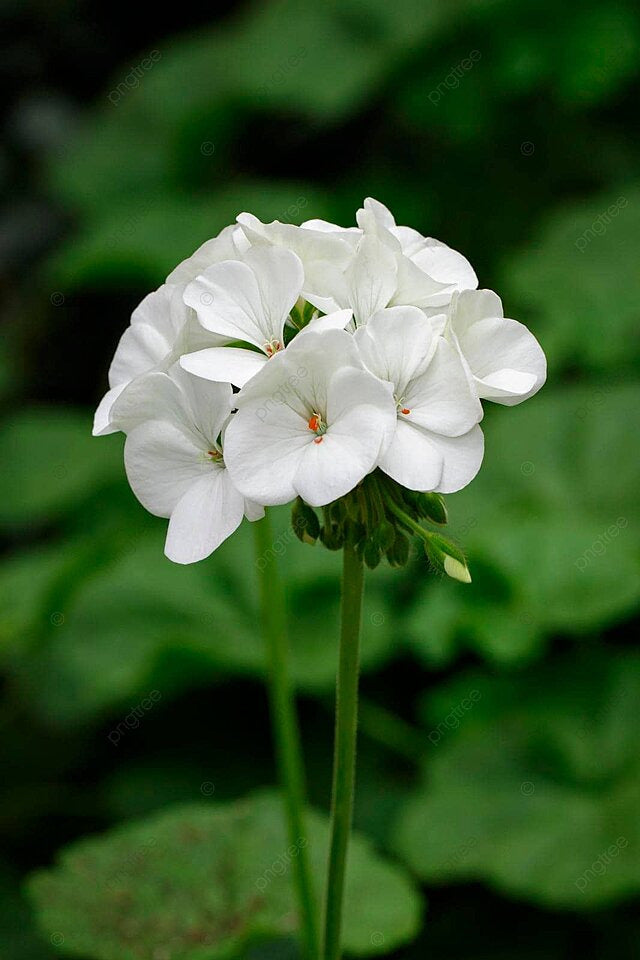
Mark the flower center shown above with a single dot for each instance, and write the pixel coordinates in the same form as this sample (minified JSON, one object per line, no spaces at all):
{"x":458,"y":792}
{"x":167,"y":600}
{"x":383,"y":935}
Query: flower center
{"x":318,"y":426}
{"x":400,"y":405}
{"x":272,"y":346}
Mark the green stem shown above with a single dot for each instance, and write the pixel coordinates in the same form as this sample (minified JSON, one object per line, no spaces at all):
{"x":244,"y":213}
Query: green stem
{"x":408,"y":521}
{"x":344,"y":761}
{"x":285,"y":726}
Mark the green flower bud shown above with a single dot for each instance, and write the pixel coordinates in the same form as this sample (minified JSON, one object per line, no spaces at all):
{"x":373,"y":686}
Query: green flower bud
{"x":337,"y":511}
{"x":447,"y":558}
{"x":371,"y":554}
{"x":305,"y":521}
{"x":332,"y":536}
{"x":354,"y":532}
{"x":384,"y":535}
{"x":431,"y":506}
{"x":398,"y":553}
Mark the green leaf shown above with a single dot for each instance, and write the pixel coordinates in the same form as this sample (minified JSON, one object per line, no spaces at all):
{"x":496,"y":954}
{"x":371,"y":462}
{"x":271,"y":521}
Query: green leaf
{"x":549,"y":527}
{"x":50,"y":462}
{"x":203,"y":881}
{"x":579,"y":274}
{"x":532,"y":783}
{"x":137,"y":622}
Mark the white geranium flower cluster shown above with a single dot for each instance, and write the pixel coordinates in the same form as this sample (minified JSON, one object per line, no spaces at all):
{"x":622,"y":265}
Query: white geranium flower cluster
{"x":282,"y":362}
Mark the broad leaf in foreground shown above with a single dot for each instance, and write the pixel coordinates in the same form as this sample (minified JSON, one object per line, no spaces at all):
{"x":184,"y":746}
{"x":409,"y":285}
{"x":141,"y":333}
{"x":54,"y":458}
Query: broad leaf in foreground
{"x":533,"y":784}
{"x":203,"y":881}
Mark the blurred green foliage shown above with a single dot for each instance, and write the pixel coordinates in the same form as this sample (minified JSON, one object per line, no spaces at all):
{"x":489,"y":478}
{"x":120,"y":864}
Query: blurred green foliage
{"x":507,"y":129}
{"x":203,"y":881}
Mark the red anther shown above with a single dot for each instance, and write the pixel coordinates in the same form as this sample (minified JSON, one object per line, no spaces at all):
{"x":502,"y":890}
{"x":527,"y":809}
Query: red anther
{"x":405,"y":410}
{"x":318,"y":439}
{"x":314,"y":422}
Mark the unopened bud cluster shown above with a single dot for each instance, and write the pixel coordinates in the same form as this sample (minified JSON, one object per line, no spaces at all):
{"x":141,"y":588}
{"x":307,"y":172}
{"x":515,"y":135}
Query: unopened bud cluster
{"x":378,"y":518}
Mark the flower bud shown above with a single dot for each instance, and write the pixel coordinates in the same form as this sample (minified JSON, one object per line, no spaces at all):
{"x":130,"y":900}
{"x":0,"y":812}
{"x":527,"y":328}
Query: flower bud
{"x":447,"y":558}
{"x":384,"y":535}
{"x":305,"y":521}
{"x":398,"y":553}
{"x":431,"y":506}
{"x":354,"y":532}
{"x":337,"y":511}
{"x":332,"y":536}
{"x":371,"y":554}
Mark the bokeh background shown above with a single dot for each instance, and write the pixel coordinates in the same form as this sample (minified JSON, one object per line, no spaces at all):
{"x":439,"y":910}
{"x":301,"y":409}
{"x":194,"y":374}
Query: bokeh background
{"x":499,"y":766}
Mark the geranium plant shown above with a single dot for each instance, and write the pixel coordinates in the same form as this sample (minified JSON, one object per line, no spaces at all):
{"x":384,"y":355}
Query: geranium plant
{"x":340,"y":370}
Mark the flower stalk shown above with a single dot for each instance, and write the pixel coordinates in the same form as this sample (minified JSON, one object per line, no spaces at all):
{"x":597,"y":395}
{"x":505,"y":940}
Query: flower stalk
{"x":344,"y":750}
{"x":285,"y":730}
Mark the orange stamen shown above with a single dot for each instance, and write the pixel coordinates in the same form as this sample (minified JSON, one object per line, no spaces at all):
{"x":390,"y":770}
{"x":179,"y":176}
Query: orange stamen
{"x":314,"y":422}
{"x":405,"y":410}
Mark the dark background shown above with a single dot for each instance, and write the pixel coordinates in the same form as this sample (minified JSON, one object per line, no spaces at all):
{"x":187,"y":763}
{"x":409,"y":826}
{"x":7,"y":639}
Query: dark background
{"x":527,"y":161}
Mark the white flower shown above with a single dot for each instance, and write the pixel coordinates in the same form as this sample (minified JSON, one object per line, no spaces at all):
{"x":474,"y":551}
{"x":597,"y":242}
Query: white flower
{"x":246,"y":300}
{"x":155,"y":327}
{"x":391,"y":266}
{"x":175,"y":462}
{"x":250,"y":301}
{"x":505,"y":361}
{"x":390,"y":376}
{"x":431,"y":256}
{"x":313,"y":422}
{"x":324,"y":249}
{"x":437,"y":444}
{"x":163,"y":327}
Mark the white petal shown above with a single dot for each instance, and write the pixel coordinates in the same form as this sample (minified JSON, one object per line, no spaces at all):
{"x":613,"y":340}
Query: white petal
{"x":371,"y":278}
{"x":207,"y":513}
{"x":262,"y":449}
{"x":364,"y":401}
{"x":381,"y":213}
{"x":325,"y":286}
{"x":102,"y":424}
{"x":421,"y":460}
{"x":227,"y":301}
{"x":361,"y":422}
{"x":410,"y":240}
{"x":251,"y":300}
{"x":396,"y":345}
{"x":219,"y":248}
{"x":440,"y":399}
{"x":162,"y":463}
{"x":412,"y":459}
{"x":337,"y":320}
{"x":309,"y":244}
{"x":417,"y":288}
{"x":159,"y":310}
{"x":153,"y":396}
{"x":299,"y":375}
{"x":141,"y":348}
{"x":333,"y":467}
{"x":224,"y":364}
{"x":506,"y":360}
{"x":280,"y":276}
{"x":253,"y":510}
{"x":324,"y":226}
{"x":445,"y":265}
{"x":209,"y":404}
{"x":462,"y":459}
